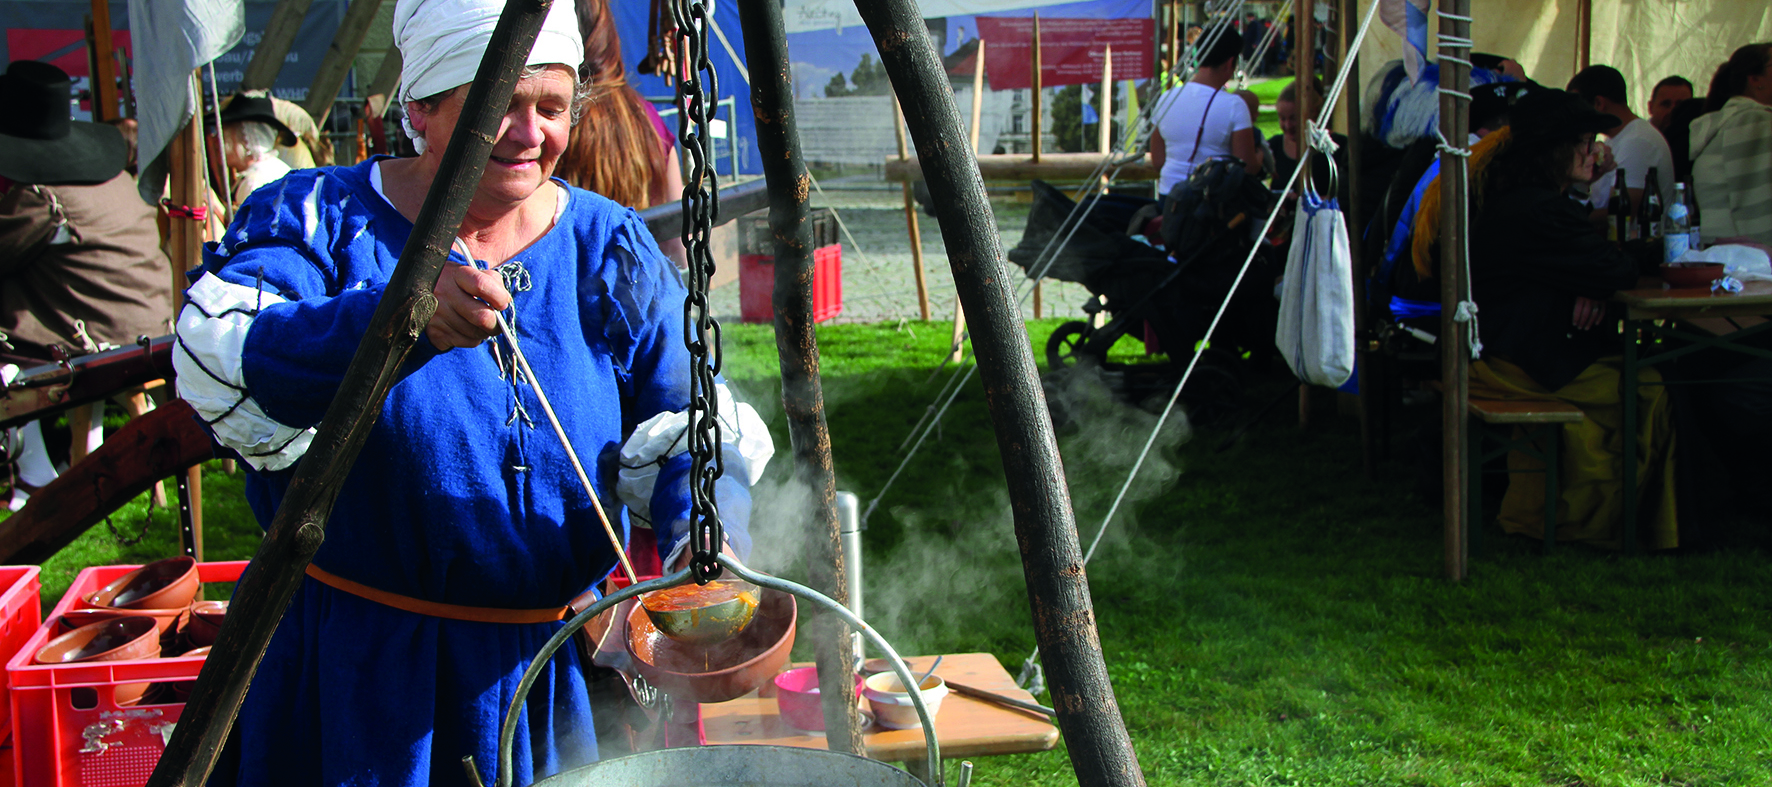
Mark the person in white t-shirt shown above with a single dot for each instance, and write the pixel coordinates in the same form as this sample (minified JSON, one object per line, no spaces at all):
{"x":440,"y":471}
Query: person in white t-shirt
{"x":1200,"y":120}
{"x":1636,"y":145}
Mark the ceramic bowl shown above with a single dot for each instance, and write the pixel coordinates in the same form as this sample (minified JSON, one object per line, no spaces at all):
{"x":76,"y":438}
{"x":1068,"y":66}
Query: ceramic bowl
{"x":1690,"y":275}
{"x":892,"y":705}
{"x":119,"y":639}
{"x":796,"y":694}
{"x":205,"y":624}
{"x":166,"y":584}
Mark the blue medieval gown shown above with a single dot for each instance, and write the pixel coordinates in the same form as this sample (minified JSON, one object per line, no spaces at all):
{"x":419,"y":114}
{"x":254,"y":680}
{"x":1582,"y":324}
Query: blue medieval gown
{"x":462,"y":493}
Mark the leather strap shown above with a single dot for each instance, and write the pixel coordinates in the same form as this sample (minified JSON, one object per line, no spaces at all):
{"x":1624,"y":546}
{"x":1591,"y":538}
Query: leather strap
{"x":1205,"y":115}
{"x":437,"y":609}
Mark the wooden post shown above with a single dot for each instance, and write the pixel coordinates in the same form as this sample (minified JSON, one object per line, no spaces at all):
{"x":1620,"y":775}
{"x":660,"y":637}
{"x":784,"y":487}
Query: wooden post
{"x":1039,"y":81}
{"x":1584,"y":33}
{"x":1303,"y":87}
{"x":190,"y":503}
{"x":186,"y":165}
{"x":1454,"y":355}
{"x":1104,"y":129}
{"x":279,"y":35}
{"x":910,"y":214}
{"x":103,"y":73}
{"x":956,"y":351}
{"x":1350,"y":103}
{"x":337,"y":61}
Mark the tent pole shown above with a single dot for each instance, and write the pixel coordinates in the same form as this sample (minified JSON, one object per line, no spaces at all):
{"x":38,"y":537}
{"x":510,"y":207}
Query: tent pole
{"x":104,"y":73}
{"x":910,"y":215}
{"x":299,"y":526}
{"x":1104,"y":119}
{"x":1454,"y":354}
{"x":1046,"y":530}
{"x":337,"y":62}
{"x":1356,"y":220}
{"x":279,"y":36}
{"x":1584,"y":33}
{"x":796,"y":343}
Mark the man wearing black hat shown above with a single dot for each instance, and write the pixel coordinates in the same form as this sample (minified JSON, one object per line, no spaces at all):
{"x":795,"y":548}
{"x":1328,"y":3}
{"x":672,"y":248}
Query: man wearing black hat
{"x":250,"y":134}
{"x":80,"y":260}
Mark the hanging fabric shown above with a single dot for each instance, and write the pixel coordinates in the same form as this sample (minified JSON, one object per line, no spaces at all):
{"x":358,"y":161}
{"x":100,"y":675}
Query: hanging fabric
{"x":1316,"y":327}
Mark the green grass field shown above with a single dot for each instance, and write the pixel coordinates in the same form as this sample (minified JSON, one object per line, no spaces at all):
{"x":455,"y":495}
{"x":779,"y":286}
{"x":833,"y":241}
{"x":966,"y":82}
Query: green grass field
{"x":1269,"y":615}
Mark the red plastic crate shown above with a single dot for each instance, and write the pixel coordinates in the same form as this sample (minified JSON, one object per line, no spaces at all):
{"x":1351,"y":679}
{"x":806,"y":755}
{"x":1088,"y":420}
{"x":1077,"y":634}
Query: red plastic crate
{"x":756,"y":285}
{"x":70,"y":730}
{"x":21,"y":612}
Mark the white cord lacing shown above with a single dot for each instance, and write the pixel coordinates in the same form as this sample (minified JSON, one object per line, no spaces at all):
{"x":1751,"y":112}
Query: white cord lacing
{"x":1466,"y":312}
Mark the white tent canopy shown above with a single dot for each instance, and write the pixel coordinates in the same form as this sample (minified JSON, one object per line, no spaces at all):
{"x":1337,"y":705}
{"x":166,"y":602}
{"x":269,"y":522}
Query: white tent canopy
{"x":1646,"y":40}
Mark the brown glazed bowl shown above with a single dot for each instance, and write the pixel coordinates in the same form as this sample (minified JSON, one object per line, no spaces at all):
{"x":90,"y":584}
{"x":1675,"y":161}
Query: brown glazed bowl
{"x":119,"y":639}
{"x":205,"y":624}
{"x":1691,"y":275}
{"x":167,"y":620}
{"x":724,"y":670}
{"x":166,"y":584}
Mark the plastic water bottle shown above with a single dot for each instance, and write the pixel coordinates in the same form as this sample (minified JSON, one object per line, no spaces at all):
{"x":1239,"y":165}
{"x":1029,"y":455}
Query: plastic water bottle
{"x":1676,"y":237}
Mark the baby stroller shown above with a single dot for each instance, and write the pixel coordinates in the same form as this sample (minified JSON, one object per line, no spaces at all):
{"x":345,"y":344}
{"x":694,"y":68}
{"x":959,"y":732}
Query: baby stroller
{"x":1207,"y":225}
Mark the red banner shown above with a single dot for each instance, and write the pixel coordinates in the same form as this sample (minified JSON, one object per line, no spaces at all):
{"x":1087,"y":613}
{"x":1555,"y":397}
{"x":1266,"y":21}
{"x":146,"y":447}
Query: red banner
{"x":64,"y":49}
{"x":1070,"y":50}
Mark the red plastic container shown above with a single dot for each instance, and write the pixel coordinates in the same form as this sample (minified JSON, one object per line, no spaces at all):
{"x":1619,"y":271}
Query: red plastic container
{"x":756,"y":285}
{"x":70,"y":730}
{"x":21,"y":614}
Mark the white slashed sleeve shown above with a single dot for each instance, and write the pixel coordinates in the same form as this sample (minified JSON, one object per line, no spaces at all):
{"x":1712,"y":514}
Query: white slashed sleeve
{"x":661,"y":437}
{"x":209,"y":360}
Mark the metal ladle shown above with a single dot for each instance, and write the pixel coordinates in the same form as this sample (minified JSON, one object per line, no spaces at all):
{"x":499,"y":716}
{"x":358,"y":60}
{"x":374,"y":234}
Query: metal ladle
{"x":693,"y":619}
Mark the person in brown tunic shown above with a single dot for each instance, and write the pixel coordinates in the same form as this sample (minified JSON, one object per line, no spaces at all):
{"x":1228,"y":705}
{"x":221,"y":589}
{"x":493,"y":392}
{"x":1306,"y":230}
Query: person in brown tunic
{"x":80,"y":260}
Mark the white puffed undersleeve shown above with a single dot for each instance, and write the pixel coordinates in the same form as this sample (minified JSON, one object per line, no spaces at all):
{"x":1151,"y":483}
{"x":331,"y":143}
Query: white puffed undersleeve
{"x":209,"y":361}
{"x":661,"y":437}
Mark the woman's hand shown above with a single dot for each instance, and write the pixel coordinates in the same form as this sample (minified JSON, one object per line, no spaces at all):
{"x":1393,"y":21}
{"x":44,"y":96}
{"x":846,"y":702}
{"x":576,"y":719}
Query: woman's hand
{"x":1588,"y":313}
{"x":467,"y":302}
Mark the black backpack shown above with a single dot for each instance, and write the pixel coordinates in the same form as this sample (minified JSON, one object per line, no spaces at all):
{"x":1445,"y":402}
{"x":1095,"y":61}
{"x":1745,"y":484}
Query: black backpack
{"x":1200,"y":209}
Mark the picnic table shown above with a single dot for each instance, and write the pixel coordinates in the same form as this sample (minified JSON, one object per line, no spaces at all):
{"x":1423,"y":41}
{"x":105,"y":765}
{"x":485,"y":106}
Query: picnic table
{"x":1653,"y":314}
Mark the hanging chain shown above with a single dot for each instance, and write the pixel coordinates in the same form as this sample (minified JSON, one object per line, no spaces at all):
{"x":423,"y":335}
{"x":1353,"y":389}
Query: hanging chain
{"x":696,"y":83}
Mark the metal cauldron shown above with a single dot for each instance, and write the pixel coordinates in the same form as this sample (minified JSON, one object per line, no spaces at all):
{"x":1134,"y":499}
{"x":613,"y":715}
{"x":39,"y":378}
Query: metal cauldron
{"x":752,"y":766}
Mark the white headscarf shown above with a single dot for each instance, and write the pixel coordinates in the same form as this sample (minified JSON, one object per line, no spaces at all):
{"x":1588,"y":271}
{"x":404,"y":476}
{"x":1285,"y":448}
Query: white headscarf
{"x":442,"y":41}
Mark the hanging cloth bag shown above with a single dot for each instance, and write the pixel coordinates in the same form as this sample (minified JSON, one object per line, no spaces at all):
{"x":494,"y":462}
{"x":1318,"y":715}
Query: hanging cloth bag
{"x":1316,"y":327}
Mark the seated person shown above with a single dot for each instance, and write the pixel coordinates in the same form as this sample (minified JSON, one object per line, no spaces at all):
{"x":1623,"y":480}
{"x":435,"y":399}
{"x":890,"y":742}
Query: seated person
{"x":1541,"y":273}
{"x":1636,"y":145}
{"x":1288,"y":144}
{"x":1668,"y":93}
{"x":250,"y":135}
{"x":80,"y":261}
{"x":1731,"y":148}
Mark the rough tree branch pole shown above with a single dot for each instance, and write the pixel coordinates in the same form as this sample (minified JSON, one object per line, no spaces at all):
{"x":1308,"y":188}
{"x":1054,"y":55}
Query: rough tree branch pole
{"x":406,"y":306}
{"x":802,"y":395}
{"x":1064,"y":621}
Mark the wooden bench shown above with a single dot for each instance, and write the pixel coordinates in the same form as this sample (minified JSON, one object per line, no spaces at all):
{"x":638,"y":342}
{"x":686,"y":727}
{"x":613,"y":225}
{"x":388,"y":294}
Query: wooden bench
{"x":1541,"y":423}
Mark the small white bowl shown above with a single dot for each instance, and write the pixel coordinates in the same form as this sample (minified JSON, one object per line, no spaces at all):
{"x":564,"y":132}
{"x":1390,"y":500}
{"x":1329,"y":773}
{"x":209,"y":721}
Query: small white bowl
{"x":892,"y":705}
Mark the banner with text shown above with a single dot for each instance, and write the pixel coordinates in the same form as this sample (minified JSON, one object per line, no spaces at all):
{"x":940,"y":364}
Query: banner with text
{"x":1070,"y":50}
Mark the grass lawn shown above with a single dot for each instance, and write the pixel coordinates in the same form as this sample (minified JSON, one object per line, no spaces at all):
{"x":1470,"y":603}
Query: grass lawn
{"x":1269,"y":615}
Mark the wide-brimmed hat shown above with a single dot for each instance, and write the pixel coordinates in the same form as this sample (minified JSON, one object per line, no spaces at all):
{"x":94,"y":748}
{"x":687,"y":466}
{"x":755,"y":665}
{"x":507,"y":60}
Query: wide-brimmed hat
{"x":41,"y":143}
{"x":258,"y":109}
{"x":1547,"y":115}
{"x":1495,"y":100}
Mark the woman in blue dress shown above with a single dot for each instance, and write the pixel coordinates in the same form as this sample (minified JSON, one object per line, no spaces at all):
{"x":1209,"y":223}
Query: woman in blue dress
{"x":462,"y":530}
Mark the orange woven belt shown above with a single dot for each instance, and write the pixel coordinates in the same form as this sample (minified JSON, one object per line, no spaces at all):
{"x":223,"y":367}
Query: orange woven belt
{"x":438,"y":609}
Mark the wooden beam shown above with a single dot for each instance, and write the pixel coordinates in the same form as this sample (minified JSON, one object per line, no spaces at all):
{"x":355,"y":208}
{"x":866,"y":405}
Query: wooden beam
{"x":1584,"y":33}
{"x":104,"y":72}
{"x":910,"y":214}
{"x":273,"y":47}
{"x":337,"y":62}
{"x":1454,"y":357}
{"x":1016,"y":166}
{"x":387,"y":77}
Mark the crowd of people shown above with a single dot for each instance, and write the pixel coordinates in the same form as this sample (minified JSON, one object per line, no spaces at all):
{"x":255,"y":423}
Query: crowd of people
{"x":1552,"y":171}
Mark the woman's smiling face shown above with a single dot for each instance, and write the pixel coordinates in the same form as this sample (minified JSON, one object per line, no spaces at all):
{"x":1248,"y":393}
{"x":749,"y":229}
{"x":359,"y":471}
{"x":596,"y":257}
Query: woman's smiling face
{"x":530,"y":138}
